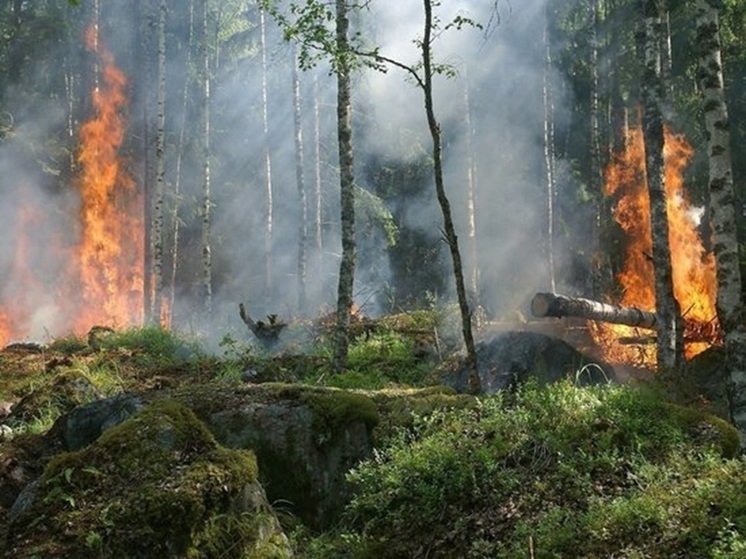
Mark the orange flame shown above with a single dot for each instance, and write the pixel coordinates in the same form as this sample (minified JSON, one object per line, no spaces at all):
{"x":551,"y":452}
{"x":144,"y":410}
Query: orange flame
{"x":694,"y":272}
{"x":55,"y":284}
{"x":111,"y":247}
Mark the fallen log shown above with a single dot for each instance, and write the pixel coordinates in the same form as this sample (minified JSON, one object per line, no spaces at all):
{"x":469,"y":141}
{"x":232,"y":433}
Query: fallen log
{"x":266,"y":332}
{"x":552,"y":304}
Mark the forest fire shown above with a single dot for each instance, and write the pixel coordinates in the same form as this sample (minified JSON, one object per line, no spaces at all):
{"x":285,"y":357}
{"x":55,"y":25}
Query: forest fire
{"x":694,"y":273}
{"x":58,"y":284}
{"x":110,"y":252}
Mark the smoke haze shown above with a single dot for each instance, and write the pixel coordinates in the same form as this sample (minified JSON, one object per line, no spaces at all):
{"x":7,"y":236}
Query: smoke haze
{"x":502,"y":71}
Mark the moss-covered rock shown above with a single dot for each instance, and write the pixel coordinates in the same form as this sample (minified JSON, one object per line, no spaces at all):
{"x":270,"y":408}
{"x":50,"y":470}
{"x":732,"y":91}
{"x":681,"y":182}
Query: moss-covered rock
{"x":306,"y":439}
{"x":158,"y":485}
{"x":398,"y":407}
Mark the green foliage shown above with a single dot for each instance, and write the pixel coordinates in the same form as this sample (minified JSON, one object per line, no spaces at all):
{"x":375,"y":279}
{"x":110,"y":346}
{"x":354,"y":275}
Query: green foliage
{"x":153,"y":346}
{"x":373,"y":208}
{"x":69,"y":344}
{"x":580,"y":472}
{"x":387,"y":354}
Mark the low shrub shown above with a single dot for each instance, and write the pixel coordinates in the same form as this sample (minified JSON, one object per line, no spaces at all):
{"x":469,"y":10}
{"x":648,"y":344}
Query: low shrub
{"x":570,"y":472}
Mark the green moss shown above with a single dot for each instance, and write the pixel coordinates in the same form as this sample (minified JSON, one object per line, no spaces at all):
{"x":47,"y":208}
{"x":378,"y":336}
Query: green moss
{"x":332,"y":409}
{"x":706,"y":429}
{"x":146,"y":488}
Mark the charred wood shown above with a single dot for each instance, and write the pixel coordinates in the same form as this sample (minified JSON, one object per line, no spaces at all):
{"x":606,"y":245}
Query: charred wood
{"x":266,"y":332}
{"x":552,"y":304}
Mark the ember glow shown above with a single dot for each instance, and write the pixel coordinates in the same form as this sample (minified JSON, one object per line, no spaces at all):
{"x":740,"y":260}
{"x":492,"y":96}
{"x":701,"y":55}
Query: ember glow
{"x":694,"y":273}
{"x":97,"y":276}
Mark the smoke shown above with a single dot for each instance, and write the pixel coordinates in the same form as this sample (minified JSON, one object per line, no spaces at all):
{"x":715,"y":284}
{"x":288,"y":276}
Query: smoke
{"x":501,"y":72}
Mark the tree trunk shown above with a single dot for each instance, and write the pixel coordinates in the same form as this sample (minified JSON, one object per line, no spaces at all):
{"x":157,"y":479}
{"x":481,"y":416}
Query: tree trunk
{"x":551,"y":304}
{"x":722,"y":210}
{"x":148,"y":174}
{"x":301,"y":184}
{"x":665,"y":50}
{"x":471,"y":201}
{"x":549,"y":153}
{"x":157,"y":312}
{"x":346,"y":188}
{"x":317,"y":220}
{"x":175,"y":220}
{"x":206,"y":187}
{"x":595,"y":180}
{"x":475,"y":384}
{"x":268,"y":189}
{"x":670,"y":337}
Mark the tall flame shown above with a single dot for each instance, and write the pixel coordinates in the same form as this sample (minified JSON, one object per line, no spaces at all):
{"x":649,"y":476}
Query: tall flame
{"x":54,"y":283}
{"x":694,"y":272}
{"x":111,"y":246}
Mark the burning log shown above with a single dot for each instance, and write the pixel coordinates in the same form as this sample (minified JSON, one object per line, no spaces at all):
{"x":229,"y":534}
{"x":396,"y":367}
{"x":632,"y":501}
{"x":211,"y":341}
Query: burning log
{"x":551,"y":304}
{"x":266,"y":332}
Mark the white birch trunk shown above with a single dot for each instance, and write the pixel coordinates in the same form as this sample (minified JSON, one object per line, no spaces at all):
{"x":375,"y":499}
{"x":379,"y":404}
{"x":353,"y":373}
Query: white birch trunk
{"x":206,"y":186}
{"x":471,"y":202}
{"x":157,"y":309}
{"x":301,"y":184}
{"x":549,"y":154}
{"x":268,"y":189}
{"x":670,"y":333}
{"x":175,"y":219}
{"x":722,"y":207}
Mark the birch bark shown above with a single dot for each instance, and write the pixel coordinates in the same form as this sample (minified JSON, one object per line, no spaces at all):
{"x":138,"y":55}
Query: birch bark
{"x":346,"y":188}
{"x":722,"y":207}
{"x":670,"y":335}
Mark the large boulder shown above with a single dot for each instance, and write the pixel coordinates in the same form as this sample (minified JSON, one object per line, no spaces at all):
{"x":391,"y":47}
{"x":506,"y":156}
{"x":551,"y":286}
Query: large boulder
{"x":511,"y":358}
{"x":305,"y":438}
{"x":157,"y":485}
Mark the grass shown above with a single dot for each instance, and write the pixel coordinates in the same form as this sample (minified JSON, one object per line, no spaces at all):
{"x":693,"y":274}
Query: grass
{"x":581,"y":472}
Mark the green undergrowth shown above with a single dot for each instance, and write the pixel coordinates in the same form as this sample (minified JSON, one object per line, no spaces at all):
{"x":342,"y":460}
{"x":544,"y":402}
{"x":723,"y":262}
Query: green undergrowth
{"x":376,"y":360}
{"x":571,"y":472}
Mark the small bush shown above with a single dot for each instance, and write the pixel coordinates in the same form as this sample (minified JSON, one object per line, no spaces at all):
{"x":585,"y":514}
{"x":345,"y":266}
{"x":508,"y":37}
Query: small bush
{"x":153,"y":345}
{"x":579,"y":472}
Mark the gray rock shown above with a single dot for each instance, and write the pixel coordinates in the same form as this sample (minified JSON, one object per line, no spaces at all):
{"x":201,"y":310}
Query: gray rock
{"x":303,"y":450}
{"x":84,"y":424}
{"x":512,"y":358}
{"x":24,"y":500}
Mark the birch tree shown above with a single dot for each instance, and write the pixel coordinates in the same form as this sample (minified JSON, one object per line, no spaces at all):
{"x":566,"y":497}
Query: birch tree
{"x":722,"y":209}
{"x":301,"y":186}
{"x":176,"y":204}
{"x":450,"y":231}
{"x":549,"y":152}
{"x":267,"y":160}
{"x":206,"y":283}
{"x":157,"y":302}
{"x":471,"y":199}
{"x":670,"y":335}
